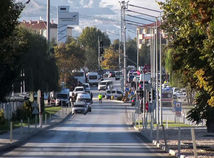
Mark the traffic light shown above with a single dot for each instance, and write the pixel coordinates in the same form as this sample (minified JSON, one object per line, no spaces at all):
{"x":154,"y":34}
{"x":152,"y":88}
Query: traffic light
{"x":150,"y":96}
{"x":153,"y":94}
{"x":101,"y":48}
{"x":140,"y":93}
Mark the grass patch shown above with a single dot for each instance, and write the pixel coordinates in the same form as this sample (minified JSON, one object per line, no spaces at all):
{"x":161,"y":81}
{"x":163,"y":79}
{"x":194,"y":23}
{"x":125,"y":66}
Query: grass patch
{"x":6,"y":126}
{"x":52,"y":110}
{"x":170,"y":124}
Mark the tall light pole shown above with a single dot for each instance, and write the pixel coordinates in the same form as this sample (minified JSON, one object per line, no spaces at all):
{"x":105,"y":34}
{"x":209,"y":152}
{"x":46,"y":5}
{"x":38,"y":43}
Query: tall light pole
{"x":48,"y":23}
{"x":124,"y":6}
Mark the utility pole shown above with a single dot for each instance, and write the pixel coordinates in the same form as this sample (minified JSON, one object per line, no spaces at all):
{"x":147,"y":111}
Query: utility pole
{"x":124,"y":6}
{"x":98,"y":55}
{"x":48,"y":24}
{"x":137,"y":34}
{"x":156,"y":50}
{"x":161,"y":111}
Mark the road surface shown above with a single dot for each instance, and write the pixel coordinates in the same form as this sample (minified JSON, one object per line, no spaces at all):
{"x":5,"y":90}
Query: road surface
{"x":102,"y":133}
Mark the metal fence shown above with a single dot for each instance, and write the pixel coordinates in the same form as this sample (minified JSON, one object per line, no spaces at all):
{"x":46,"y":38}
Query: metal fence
{"x":10,"y":107}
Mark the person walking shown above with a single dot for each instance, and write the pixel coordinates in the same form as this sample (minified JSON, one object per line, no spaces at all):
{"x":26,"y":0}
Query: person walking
{"x":100,"y":97}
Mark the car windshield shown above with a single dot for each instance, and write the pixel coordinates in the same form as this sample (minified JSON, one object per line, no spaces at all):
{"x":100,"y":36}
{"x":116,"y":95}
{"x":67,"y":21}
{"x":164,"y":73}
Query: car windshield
{"x":84,"y":99}
{"x":102,"y":83}
{"x":93,"y":77}
{"x":78,"y":74}
{"x":62,"y":96}
{"x":79,"y":89}
{"x":81,"y":105}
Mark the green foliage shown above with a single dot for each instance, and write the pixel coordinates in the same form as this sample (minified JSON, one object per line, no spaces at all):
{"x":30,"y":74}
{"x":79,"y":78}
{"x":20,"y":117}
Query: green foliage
{"x":89,"y":40}
{"x":190,"y":28}
{"x":40,"y":68}
{"x":24,"y":112}
{"x":69,"y":56}
{"x":2,"y":119}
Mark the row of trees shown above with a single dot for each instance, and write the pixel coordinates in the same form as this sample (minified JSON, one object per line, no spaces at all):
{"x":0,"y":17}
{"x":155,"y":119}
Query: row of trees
{"x":23,"y":50}
{"x":83,"y":53}
{"x":190,"y":57}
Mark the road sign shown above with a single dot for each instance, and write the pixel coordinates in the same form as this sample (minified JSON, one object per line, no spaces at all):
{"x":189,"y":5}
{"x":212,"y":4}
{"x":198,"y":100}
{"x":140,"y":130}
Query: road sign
{"x":67,"y":18}
{"x":178,"y":108}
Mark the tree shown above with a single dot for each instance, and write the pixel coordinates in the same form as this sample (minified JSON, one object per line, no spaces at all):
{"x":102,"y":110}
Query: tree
{"x":11,"y":45}
{"x":69,"y":56}
{"x":89,"y":40}
{"x":189,"y":25}
{"x":111,"y":58}
{"x":39,"y":67}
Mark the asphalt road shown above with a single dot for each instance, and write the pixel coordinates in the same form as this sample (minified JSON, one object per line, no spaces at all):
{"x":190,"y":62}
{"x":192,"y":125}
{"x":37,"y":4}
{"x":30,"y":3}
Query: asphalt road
{"x":102,"y":133}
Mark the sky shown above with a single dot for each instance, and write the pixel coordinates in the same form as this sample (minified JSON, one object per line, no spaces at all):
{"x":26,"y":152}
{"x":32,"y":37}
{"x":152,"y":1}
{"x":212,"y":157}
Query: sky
{"x":103,"y":14}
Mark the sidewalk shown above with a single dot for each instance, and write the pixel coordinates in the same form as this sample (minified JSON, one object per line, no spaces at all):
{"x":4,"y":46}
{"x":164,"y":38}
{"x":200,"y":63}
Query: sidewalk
{"x":22,"y":134}
{"x":204,"y":140}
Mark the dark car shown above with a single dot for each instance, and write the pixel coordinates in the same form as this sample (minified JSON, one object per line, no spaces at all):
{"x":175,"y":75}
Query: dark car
{"x":111,"y":74}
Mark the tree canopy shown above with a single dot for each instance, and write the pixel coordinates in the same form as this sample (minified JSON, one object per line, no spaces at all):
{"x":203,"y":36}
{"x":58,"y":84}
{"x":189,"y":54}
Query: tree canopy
{"x":11,"y":45}
{"x":190,"y":28}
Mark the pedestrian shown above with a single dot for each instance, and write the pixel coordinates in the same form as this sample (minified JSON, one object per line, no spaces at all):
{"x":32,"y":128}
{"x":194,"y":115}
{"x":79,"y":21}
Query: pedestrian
{"x":100,"y":97}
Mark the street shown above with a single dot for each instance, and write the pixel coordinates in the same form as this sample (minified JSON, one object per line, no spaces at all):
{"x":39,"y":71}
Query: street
{"x":101,"y":133}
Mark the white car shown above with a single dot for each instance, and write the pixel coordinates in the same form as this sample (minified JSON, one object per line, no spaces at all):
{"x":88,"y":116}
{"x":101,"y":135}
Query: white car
{"x":84,"y":97}
{"x":80,"y":107}
{"x":117,"y":94}
{"x":78,"y":89}
{"x":103,"y":85}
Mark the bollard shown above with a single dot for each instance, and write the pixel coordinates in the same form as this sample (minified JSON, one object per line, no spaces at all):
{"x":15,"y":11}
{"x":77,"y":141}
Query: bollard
{"x":167,"y":122}
{"x":165,"y":140}
{"x":45,"y":118}
{"x":35,"y":121}
{"x":194,"y":143}
{"x":28,"y":123}
{"x":11,"y":132}
{"x":157,"y":133}
{"x":21,"y":127}
{"x":179,"y":141}
{"x":151,"y":127}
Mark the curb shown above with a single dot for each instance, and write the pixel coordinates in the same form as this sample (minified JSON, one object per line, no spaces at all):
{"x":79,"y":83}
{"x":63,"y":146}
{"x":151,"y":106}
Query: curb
{"x":33,"y":133}
{"x":159,"y":145}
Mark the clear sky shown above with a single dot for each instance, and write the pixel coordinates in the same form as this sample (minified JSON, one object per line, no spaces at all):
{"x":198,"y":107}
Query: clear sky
{"x":103,"y":14}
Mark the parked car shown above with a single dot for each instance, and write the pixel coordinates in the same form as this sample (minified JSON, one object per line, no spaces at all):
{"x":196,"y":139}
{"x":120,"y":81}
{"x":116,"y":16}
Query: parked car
{"x":80,"y":107}
{"x":116,"y":94}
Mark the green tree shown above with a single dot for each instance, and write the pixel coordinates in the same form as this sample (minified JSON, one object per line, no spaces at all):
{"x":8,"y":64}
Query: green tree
{"x":69,"y":56}
{"x":11,"y":45}
{"x":39,"y":67}
{"x":189,"y":25}
{"x":89,"y":40}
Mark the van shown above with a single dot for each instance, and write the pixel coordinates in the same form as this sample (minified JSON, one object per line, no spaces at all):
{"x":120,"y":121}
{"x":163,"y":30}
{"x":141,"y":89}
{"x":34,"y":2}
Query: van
{"x":93,"y":78}
{"x":103,"y":85}
{"x":62,"y":98}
